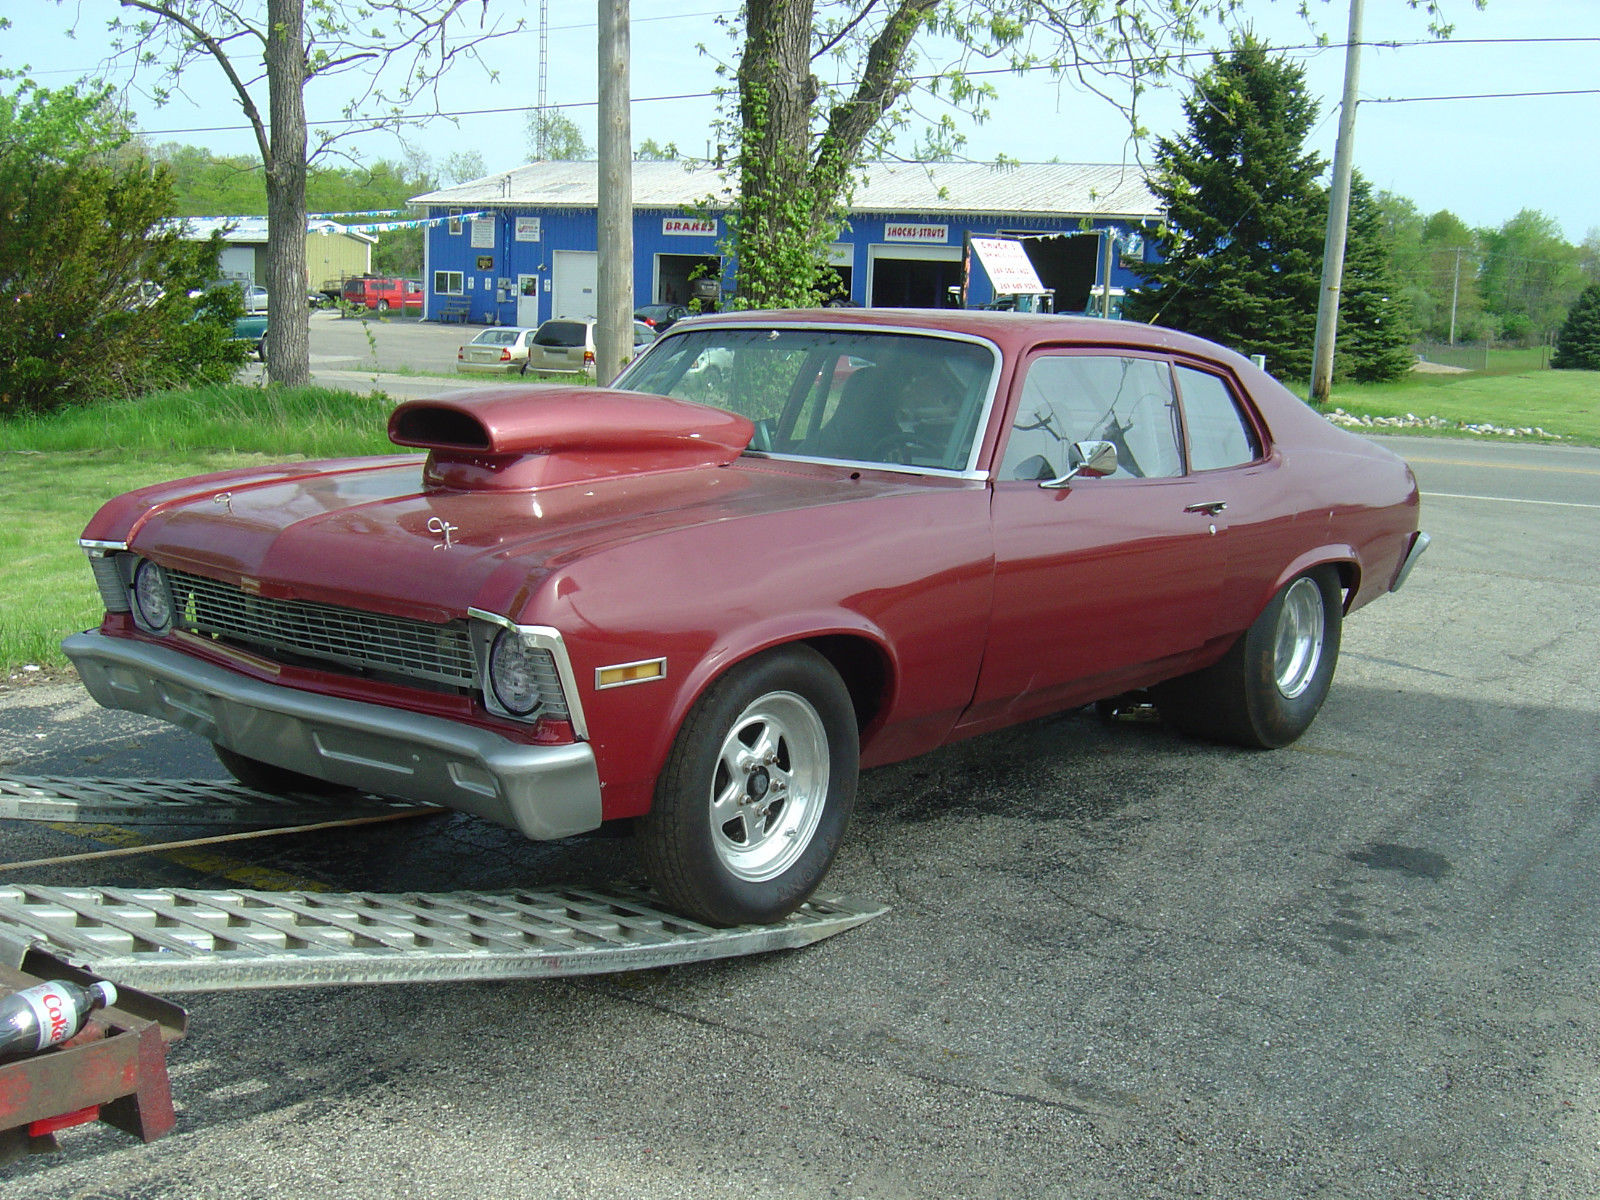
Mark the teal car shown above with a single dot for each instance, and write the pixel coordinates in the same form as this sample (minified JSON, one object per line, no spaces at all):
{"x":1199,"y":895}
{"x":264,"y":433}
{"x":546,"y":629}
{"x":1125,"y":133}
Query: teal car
{"x":252,"y":330}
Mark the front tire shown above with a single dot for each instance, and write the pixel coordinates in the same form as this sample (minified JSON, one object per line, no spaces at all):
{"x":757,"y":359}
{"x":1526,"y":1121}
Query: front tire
{"x":756,"y":793}
{"x":1266,"y":691}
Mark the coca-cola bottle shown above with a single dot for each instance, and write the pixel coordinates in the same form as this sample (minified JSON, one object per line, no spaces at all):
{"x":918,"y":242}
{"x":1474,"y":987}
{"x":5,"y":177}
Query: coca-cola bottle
{"x":47,"y":1014}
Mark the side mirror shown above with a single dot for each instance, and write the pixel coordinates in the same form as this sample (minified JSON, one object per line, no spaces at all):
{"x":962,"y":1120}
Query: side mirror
{"x":1095,"y":460}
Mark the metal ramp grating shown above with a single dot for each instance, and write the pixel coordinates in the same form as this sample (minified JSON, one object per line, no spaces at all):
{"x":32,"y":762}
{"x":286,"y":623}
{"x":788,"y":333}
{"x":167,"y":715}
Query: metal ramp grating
{"x":179,"y":940}
{"x":171,"y":802}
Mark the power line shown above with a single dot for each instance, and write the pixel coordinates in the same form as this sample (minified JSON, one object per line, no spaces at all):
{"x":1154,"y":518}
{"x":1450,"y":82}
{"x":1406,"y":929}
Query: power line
{"x":987,"y":71}
{"x":1479,"y":96}
{"x":384,"y":122}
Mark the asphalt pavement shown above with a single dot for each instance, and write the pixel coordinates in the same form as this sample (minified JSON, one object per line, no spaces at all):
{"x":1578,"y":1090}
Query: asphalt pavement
{"x":400,"y":356}
{"x":1117,"y":963}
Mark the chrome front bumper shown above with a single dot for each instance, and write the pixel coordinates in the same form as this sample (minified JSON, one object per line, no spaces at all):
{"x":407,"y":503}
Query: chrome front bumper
{"x":543,"y":791}
{"x":1419,"y":543}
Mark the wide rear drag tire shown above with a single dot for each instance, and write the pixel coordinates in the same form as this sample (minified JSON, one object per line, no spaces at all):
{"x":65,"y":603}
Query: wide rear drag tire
{"x":1268,"y":688}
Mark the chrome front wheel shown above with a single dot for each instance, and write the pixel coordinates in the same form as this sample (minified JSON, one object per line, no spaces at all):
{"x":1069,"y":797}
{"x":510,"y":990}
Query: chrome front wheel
{"x":770,"y":786}
{"x":755,"y":795}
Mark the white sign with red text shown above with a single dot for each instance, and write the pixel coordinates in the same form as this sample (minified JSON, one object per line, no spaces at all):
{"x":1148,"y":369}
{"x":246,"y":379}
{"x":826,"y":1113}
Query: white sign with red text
{"x":1008,"y":266}
{"x":688,"y":227}
{"x":926,"y":234}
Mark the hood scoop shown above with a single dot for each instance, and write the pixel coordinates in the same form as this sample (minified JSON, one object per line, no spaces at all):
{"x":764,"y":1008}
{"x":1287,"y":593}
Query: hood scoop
{"x":523,"y":438}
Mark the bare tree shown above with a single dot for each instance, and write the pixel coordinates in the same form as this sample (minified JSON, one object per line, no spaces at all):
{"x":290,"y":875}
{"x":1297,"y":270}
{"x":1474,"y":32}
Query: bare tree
{"x":395,"y":51}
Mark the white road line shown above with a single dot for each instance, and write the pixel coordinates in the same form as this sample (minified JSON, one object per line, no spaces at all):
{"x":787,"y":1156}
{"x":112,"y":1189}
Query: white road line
{"x":1508,"y":500}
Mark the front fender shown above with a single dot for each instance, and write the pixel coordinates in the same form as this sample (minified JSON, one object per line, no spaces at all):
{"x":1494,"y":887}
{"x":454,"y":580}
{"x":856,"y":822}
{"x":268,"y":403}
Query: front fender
{"x":633,"y":727}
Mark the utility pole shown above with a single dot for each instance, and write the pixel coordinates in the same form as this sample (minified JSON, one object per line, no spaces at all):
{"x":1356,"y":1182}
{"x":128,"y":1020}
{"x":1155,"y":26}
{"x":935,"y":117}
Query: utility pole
{"x":1455,"y":293}
{"x":1108,"y":242}
{"x":613,"y":333}
{"x":1338,"y":217}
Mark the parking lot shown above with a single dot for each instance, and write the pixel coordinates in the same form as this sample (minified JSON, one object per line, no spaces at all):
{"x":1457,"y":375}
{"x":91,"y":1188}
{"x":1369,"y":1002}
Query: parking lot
{"x":401,"y":354}
{"x":1117,"y":963}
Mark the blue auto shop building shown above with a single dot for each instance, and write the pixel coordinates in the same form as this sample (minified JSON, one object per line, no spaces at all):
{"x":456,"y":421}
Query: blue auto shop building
{"x":520,"y":247}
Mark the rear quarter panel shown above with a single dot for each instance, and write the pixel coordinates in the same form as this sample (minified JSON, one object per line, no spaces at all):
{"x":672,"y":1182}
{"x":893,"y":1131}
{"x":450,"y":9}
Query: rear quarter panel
{"x":1363,"y":496}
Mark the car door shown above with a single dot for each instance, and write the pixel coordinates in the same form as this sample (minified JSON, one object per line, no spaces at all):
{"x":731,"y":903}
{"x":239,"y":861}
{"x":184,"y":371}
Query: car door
{"x":1228,"y":451}
{"x":1098,"y":580}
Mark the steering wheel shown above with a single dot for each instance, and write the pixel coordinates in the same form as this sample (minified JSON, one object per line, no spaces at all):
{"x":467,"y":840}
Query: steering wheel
{"x":905,"y":449}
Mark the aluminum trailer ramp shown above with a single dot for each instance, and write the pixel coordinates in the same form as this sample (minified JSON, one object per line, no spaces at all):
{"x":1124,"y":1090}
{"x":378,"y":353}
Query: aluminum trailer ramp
{"x":174,"y":802}
{"x":177,"y":940}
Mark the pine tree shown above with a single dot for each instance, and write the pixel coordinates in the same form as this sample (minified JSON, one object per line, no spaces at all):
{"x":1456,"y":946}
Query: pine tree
{"x":1578,"y":343}
{"x":1242,"y":244}
{"x":1373,"y":339}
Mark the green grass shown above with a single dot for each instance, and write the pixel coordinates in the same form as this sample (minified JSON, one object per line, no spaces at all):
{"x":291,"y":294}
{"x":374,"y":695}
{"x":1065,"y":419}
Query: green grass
{"x":1563,"y":403}
{"x":1515,"y":362}
{"x":56,"y":471}
{"x":309,"y":422}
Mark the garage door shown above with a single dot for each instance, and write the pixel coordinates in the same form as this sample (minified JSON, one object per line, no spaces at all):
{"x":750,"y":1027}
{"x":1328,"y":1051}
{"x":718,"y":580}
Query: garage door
{"x":912,"y":276}
{"x":238,"y":262}
{"x":575,"y":274}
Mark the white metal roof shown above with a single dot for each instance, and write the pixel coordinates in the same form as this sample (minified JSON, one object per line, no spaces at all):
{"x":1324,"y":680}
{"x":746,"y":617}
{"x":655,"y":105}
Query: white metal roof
{"x":252,"y":231}
{"x":1024,"y":189}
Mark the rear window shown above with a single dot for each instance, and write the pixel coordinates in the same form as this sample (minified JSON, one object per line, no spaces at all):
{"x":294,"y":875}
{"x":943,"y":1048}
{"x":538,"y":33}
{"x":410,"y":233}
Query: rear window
{"x":560,"y":333}
{"x":496,"y":337}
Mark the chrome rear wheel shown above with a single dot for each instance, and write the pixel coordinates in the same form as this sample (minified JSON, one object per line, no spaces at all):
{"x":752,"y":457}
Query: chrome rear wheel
{"x":1297,"y":648}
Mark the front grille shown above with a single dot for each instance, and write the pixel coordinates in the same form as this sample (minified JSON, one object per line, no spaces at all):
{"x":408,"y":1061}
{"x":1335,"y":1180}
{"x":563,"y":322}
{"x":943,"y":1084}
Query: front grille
{"x":109,"y":581}
{"x":371,"y":642}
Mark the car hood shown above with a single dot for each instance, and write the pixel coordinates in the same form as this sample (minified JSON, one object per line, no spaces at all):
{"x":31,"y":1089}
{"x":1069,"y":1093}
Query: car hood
{"x":428,"y":539}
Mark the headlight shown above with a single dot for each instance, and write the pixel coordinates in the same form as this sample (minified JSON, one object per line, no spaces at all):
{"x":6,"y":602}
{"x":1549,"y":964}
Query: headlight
{"x":516,"y":672}
{"x":152,"y":598}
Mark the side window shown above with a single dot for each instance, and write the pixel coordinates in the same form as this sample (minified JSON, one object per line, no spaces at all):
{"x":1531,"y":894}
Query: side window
{"x":1219,"y":435}
{"x":1094,"y":397}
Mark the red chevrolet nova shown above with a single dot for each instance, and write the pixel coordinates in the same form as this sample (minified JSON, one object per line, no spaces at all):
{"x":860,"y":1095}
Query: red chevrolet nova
{"x":779,"y":548}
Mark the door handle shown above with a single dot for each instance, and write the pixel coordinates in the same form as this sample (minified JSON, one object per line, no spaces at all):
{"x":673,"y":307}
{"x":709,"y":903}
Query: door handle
{"x":1211,"y":507}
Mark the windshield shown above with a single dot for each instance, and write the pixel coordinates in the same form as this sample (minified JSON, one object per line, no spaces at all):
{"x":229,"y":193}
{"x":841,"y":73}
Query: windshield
{"x":857,"y":396}
{"x":497,"y":337}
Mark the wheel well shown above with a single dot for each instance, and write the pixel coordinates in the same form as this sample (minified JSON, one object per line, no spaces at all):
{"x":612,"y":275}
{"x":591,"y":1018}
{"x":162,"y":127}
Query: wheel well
{"x":863,"y":668}
{"x":1349,"y":580}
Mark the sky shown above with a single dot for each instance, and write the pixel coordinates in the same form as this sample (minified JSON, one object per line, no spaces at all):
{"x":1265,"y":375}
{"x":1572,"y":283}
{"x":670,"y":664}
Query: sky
{"x":1483,"y":159}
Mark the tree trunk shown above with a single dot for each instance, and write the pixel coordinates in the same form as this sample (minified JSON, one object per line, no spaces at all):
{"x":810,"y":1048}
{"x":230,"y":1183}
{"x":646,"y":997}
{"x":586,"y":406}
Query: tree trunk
{"x":793,"y":188}
{"x":776,"y":92}
{"x":288,"y":314}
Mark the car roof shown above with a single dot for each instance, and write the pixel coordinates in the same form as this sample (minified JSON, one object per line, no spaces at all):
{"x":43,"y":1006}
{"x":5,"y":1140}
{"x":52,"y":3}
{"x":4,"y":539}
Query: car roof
{"x":1013,"y":332}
